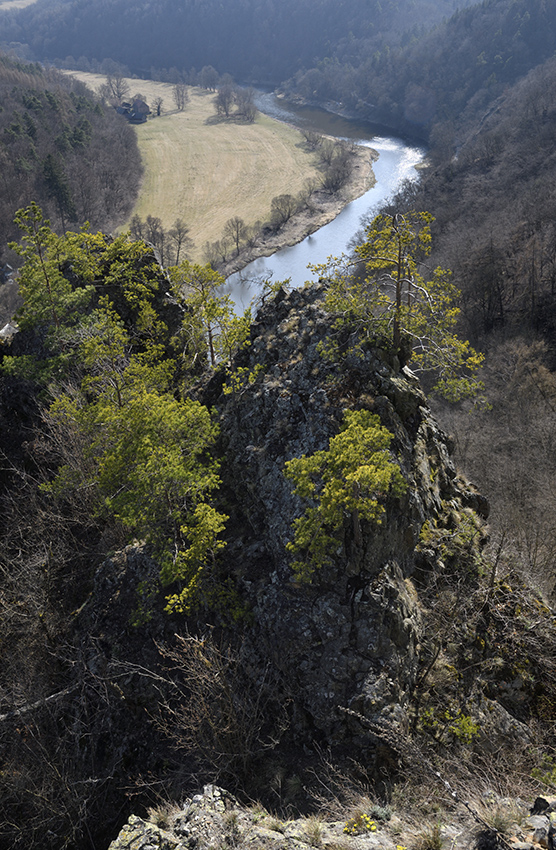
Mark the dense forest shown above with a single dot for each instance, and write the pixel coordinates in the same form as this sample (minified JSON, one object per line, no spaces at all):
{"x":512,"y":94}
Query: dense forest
{"x":407,"y":64}
{"x":262,"y":42}
{"x":64,"y":149}
{"x":147,"y":434}
{"x":452,"y":71}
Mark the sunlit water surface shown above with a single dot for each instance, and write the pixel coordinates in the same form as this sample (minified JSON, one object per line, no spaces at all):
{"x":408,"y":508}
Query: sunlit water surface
{"x":396,"y":163}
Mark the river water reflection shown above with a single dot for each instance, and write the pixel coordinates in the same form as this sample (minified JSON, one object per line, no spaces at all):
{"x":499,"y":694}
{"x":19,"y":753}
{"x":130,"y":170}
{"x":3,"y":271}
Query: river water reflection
{"x":396,"y":162}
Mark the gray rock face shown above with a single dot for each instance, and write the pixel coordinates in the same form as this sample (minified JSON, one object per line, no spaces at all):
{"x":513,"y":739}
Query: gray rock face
{"x":214,"y":818}
{"x":351,"y":638}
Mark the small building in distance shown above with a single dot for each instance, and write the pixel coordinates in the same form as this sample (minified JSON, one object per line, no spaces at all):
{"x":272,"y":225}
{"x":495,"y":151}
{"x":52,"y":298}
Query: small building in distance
{"x":136,"y":112}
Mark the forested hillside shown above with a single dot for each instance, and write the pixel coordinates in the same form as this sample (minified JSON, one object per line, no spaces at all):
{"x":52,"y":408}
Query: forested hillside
{"x":494,"y":206}
{"x":457,"y":67}
{"x":495,"y":209}
{"x":64,"y":149}
{"x":261,"y":42}
{"x":409,"y":64}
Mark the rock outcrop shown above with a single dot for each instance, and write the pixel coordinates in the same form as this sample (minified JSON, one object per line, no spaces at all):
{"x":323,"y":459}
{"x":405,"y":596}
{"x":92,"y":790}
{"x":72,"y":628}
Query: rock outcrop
{"x":351,"y":638}
{"x":346,"y":657}
{"x":214,"y":818}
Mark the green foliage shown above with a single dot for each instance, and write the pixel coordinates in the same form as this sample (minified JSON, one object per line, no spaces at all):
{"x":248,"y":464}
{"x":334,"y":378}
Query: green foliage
{"x":347,"y":480}
{"x":139,"y":451}
{"x":381,"y":813}
{"x":546,"y":773}
{"x":146,"y":456}
{"x":72,"y":285}
{"x":395,"y":305}
{"x":457,"y":537}
{"x":48,"y":296}
{"x":242,"y":378}
{"x":270,"y":288}
{"x":211,"y":328}
{"x":459,"y":726}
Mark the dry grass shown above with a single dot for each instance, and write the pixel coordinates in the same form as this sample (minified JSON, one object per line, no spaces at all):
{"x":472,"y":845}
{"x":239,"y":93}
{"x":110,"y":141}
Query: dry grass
{"x":205,"y":171}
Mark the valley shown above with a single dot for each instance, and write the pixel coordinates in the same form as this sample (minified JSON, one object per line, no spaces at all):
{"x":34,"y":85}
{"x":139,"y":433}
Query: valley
{"x":205,"y":171}
{"x":283,"y":579}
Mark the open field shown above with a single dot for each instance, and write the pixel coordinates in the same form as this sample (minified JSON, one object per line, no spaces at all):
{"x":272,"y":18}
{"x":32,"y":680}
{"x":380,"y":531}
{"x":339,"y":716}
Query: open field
{"x":206,"y":171}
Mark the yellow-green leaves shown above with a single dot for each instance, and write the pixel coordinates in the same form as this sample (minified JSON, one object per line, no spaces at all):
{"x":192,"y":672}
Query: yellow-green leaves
{"x":349,"y":480}
{"x":144,"y":455}
{"x":130,"y":446}
{"x":393,"y":302}
{"x":212,"y":330}
{"x":65,"y":278}
{"x":147,"y":456}
{"x":200,"y":533}
{"x":48,"y":297}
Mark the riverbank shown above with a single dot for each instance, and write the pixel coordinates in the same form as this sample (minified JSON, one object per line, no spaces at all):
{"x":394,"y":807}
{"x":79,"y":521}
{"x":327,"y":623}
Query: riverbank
{"x":324,"y":208}
{"x":383,"y":122}
{"x":206,"y":171}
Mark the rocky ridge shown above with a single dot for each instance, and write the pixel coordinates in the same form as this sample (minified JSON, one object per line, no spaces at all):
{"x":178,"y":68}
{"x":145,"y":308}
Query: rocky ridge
{"x":352,"y":638}
{"x":399,"y":634}
{"x":215,"y":819}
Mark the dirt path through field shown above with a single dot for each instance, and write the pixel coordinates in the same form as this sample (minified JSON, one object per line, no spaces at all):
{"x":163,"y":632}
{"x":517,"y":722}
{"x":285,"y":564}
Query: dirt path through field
{"x":206,"y":171}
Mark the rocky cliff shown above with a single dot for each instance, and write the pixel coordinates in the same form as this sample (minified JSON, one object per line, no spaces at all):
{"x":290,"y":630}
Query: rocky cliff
{"x":406,"y":642}
{"x":400,"y":638}
{"x":400,"y":602}
{"x":407,"y":646}
{"x":352,"y":638}
{"x":410,"y":647}
{"x":214,"y":818}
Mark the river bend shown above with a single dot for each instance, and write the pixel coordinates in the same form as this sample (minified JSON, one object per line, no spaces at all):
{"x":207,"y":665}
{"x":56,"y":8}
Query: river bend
{"x":396,"y":163}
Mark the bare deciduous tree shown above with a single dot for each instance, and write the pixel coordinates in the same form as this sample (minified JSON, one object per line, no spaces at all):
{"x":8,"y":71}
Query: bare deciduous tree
{"x":253,"y":233}
{"x":179,"y":234}
{"x":312,"y":139}
{"x":245,"y":103}
{"x":310,"y":186}
{"x":217,"y":252}
{"x":236,"y":230}
{"x":117,"y":86}
{"x":180,"y":95}
{"x":224,"y":100}
{"x":219,"y":713}
{"x":282,"y":208}
{"x":327,"y":151}
{"x":337,"y":174}
{"x":208,"y":78}
{"x":136,"y":228}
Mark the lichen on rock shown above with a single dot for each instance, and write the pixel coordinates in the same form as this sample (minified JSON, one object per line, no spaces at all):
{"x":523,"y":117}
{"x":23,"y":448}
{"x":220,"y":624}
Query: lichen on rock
{"x":351,"y":638}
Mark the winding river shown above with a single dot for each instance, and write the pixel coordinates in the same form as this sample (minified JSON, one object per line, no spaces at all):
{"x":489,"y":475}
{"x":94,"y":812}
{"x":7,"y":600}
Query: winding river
{"x":396,"y":162}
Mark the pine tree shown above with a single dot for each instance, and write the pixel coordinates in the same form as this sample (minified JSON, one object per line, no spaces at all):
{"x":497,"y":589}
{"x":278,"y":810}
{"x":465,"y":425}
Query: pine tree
{"x":402,"y":305}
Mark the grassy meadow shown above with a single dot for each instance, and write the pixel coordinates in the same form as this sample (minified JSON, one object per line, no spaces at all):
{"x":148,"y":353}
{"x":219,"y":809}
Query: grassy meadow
{"x":205,"y":171}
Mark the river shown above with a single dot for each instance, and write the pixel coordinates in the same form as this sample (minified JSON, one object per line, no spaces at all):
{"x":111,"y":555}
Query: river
{"x":396,"y":163}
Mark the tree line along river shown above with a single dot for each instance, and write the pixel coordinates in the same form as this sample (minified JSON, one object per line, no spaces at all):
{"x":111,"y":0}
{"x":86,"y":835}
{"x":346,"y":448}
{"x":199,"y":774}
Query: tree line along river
{"x":396,"y":163}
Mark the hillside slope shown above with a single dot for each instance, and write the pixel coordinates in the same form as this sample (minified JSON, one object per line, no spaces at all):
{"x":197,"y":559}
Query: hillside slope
{"x":407,"y":623}
{"x":252,"y":40}
{"x":60,"y":147}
